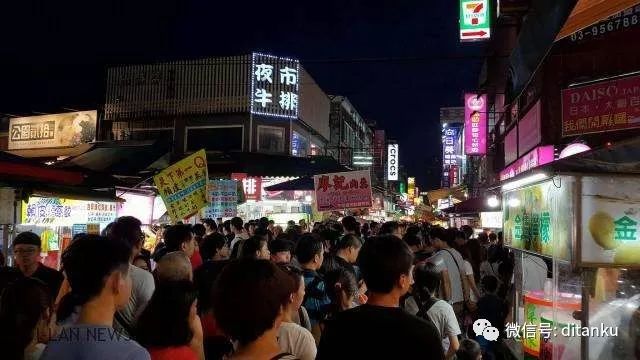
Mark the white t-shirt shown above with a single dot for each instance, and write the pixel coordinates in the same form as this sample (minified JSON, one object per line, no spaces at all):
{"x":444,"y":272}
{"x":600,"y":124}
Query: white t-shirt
{"x":444,"y":259}
{"x":296,"y":340}
{"x":142,"y":287}
{"x":443,"y":317}
{"x":468,"y":270}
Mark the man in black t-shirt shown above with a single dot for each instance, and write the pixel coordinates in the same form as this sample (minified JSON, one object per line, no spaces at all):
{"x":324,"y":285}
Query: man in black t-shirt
{"x":26,"y":252}
{"x":380,"y":329}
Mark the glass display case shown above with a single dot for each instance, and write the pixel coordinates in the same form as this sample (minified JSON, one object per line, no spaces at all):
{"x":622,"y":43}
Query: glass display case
{"x":576,"y":284}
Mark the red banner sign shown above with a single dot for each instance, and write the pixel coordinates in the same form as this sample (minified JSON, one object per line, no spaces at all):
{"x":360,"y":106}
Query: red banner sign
{"x":605,"y":106}
{"x":343,"y":190}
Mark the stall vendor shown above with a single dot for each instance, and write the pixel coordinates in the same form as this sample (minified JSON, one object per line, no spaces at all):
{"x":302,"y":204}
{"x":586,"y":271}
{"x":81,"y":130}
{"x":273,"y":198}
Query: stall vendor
{"x":26,"y":252}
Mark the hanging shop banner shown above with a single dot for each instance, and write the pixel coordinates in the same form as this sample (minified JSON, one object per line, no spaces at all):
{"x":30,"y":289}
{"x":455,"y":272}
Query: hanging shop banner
{"x":475,"y":20}
{"x":610,"y":218}
{"x":536,"y":157}
{"x":274,"y":86}
{"x":475,"y":124}
{"x":64,"y":212}
{"x":605,"y":106}
{"x":223,"y":199}
{"x":183,"y":186}
{"x":451,"y":152}
{"x":539,"y":218}
{"x":343,"y":190}
{"x":52,"y":131}
{"x":392,"y":162}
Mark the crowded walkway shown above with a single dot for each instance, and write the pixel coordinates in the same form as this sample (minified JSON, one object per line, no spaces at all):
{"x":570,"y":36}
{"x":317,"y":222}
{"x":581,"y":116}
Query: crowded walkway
{"x":241,"y":289}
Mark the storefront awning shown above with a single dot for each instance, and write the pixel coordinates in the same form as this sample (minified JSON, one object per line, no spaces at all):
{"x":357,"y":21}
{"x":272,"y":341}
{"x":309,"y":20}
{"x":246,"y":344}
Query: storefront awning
{"x":444,"y":193}
{"x":589,"y":12}
{"x":16,"y":169}
{"x":470,"y":206}
{"x":119,"y":158}
{"x":299,"y":184}
{"x":260,"y":164}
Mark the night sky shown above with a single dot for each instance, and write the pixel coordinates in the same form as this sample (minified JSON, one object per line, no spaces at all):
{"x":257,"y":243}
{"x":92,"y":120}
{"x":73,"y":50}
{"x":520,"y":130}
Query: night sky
{"x":397,"y":61}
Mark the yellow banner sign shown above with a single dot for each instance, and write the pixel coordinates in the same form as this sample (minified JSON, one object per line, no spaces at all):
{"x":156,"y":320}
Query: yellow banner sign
{"x":183,"y":186}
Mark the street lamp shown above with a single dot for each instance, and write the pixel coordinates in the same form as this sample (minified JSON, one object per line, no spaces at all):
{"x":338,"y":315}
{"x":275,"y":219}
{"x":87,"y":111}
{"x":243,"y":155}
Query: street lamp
{"x":493,"y":201}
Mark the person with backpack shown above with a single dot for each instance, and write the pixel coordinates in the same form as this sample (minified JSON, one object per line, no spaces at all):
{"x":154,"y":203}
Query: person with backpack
{"x":427,"y":283}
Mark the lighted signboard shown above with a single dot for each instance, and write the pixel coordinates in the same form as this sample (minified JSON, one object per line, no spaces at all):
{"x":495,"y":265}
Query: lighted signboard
{"x":411,"y":188}
{"x":475,"y":124}
{"x":536,"y":157}
{"x":392,"y":162}
{"x":610,"y":219}
{"x":450,"y":153}
{"x":274,"y":86}
{"x":52,"y":131}
{"x":343,"y":190}
{"x":136,"y":205}
{"x":475,"y":20}
{"x":491,"y":220}
{"x":64,"y":212}
{"x":539,"y":218}
{"x":604,"y":106}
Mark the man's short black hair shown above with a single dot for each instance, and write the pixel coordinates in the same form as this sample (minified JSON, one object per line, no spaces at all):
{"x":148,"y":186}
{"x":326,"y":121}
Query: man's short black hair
{"x":439,"y":233}
{"x":176,"y":235}
{"x":389,"y":228}
{"x":236,"y":223}
{"x":350,"y":223}
{"x":27,"y":238}
{"x":382,"y":260}
{"x":198,"y":230}
{"x":248,"y":297}
{"x":227,"y":225}
{"x":210,"y":245}
{"x":251,"y":246}
{"x":127,"y":229}
{"x":280,"y":245}
{"x":468,"y":350}
{"x":427,"y":280}
{"x":210,"y":223}
{"x":348,"y":241}
{"x":308,"y":247}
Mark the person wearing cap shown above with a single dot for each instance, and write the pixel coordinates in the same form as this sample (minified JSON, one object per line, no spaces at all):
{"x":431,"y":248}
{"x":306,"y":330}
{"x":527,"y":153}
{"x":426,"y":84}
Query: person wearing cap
{"x":280,"y":251}
{"x":26,"y":253}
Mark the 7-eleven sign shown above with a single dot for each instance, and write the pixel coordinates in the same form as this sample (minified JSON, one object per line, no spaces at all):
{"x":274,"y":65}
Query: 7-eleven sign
{"x":475,"y":20}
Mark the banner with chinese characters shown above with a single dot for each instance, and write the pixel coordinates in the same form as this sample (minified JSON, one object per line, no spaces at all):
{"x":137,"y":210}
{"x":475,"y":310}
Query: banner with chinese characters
{"x":343,"y":190}
{"x":610,"y":218}
{"x":605,"y":106}
{"x":52,"y":131}
{"x":223,"y":199}
{"x":451,"y":152}
{"x":64,"y":212}
{"x":539,"y":218}
{"x":274,"y":86}
{"x":475,"y":124}
{"x":183,"y":186}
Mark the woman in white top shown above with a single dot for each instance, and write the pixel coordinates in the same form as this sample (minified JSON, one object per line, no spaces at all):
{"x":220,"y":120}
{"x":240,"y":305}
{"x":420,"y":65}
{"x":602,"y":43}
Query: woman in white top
{"x":293,"y":338}
{"x":469,"y":278}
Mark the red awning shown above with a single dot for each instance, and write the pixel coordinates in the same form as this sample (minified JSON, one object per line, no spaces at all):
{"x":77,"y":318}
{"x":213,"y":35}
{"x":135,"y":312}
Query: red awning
{"x":14,"y":168}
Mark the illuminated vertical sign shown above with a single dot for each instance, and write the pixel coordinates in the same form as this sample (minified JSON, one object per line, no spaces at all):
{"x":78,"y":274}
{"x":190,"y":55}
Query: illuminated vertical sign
{"x":274,"y":86}
{"x":451,"y":152}
{"x":392,"y":162}
{"x":475,"y":124}
{"x":411,"y":189}
{"x":475,"y":20}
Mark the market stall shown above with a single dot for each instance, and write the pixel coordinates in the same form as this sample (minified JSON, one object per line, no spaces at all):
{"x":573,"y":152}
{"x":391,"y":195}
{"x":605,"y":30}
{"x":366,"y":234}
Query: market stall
{"x":574,"y":231}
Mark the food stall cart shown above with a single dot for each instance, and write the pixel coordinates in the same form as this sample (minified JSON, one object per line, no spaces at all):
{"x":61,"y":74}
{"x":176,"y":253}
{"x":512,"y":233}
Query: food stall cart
{"x":573,"y":226}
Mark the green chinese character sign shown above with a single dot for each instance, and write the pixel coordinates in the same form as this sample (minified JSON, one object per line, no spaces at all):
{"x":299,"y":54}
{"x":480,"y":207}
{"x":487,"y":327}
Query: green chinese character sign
{"x":475,"y":20}
{"x":625,"y":229}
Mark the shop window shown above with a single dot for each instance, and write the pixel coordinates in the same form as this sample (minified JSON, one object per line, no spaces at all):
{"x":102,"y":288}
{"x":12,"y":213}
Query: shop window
{"x":214,"y":138}
{"x":270,"y":139}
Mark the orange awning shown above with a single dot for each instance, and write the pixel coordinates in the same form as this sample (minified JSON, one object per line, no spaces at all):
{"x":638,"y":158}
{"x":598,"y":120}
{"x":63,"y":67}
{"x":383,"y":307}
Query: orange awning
{"x":589,"y":12}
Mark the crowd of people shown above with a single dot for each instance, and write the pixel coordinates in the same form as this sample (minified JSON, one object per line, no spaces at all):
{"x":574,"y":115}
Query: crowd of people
{"x":253,"y":290}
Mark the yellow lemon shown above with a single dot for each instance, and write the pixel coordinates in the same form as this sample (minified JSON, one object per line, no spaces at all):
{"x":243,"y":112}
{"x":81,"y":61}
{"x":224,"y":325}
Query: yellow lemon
{"x":601,"y":227}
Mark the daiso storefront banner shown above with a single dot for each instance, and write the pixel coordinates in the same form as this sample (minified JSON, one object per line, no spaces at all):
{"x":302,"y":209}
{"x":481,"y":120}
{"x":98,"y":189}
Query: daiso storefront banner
{"x":475,"y":124}
{"x":603,"y":106}
{"x":343,"y":190}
